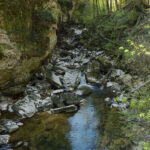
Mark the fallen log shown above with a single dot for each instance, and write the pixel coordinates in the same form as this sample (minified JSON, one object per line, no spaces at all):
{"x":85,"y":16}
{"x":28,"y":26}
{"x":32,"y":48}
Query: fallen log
{"x":65,"y":109}
{"x":139,"y":87}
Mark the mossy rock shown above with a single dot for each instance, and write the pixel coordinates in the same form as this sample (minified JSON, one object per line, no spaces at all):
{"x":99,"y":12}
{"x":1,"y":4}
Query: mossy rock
{"x":92,"y":77}
{"x":84,"y":90}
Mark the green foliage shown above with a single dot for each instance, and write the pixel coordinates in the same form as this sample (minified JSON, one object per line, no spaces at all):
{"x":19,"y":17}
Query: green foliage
{"x":138,"y":116}
{"x":84,"y":13}
{"x":106,"y":29}
{"x":135,"y":57}
{"x":146,"y":146}
{"x":66,"y":5}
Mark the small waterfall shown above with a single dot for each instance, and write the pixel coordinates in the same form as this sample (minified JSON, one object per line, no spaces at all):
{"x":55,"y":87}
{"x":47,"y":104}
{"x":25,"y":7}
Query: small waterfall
{"x":84,"y":83}
{"x":83,"y":80}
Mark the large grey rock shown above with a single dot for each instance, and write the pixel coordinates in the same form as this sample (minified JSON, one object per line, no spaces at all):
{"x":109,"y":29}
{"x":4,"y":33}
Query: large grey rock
{"x":58,"y":102}
{"x":9,"y":125}
{"x":4,"y":139}
{"x":25,"y":107}
{"x":65,"y":98}
{"x":84,"y":90}
{"x":115,"y":105}
{"x":4,"y":105}
{"x":123,"y":106}
{"x":85,"y":61}
{"x":108,"y":100}
{"x":120,"y":75}
{"x":92,"y":77}
{"x":55,"y":80}
{"x":72,"y":78}
{"x":113,"y":85}
{"x":45,"y":104}
{"x":117,"y":73}
{"x":127,"y":79}
{"x":70,"y":98}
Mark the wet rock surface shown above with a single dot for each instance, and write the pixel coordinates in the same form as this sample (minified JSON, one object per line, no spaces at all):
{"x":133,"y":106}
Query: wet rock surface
{"x":4,"y":139}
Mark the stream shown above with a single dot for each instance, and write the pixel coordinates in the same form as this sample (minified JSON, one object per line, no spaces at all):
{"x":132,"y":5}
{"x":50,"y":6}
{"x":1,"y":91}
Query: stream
{"x":95,"y":126}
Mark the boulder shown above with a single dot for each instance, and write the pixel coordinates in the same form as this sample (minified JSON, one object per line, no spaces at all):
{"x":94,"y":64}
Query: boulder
{"x":9,"y":125}
{"x":67,"y":98}
{"x":115,"y":105}
{"x":113,"y":85}
{"x":84,"y":90}
{"x":25,"y":107}
{"x":4,"y":139}
{"x":72,"y":78}
{"x":83,"y":102}
{"x":127,"y":80}
{"x":57,"y":101}
{"x":70,"y":98}
{"x":4,"y":105}
{"x":120,"y":75}
{"x":45,"y":104}
{"x":93,"y":77}
{"x":108,"y":100}
{"x":55,"y":80}
{"x":117,"y":73}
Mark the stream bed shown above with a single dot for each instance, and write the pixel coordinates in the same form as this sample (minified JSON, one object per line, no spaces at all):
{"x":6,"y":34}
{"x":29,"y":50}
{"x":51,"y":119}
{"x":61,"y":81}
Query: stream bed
{"x":95,"y":126}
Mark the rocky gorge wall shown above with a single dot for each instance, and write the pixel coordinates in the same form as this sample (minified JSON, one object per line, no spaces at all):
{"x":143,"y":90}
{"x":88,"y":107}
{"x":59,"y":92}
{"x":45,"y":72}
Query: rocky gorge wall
{"x":27,"y":39}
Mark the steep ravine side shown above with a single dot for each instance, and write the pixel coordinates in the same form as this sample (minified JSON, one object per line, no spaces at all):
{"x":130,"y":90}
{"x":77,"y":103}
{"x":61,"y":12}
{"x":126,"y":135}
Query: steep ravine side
{"x":19,"y":60}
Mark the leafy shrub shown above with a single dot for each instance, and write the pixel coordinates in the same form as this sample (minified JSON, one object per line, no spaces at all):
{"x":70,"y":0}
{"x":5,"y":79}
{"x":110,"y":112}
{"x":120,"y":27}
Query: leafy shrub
{"x":135,"y":57}
{"x":84,"y":13}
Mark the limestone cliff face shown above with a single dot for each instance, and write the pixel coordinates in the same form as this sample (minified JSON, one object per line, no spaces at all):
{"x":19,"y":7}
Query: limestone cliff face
{"x":27,"y":38}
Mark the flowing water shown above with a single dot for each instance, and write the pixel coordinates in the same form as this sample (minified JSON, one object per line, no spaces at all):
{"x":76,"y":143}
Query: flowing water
{"x":94,"y":127}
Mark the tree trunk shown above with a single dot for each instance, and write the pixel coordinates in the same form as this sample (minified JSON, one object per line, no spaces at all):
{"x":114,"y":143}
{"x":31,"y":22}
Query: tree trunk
{"x":111,"y":5}
{"x":116,"y":3}
{"x":107,"y":5}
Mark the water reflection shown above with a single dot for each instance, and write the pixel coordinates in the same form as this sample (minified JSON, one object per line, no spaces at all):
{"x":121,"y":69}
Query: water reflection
{"x":97,"y":127}
{"x":44,"y":132}
{"x":83,"y":134}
